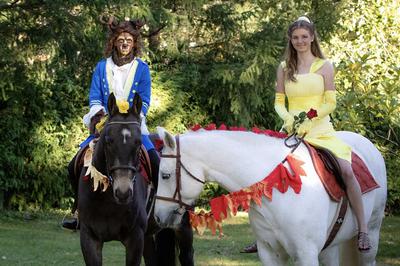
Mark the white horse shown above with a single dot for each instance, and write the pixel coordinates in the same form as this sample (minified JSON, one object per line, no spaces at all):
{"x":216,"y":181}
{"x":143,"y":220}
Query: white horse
{"x":292,"y":225}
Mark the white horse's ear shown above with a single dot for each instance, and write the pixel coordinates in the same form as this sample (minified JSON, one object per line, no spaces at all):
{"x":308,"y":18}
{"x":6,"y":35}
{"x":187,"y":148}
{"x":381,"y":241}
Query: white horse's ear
{"x":166,"y":137}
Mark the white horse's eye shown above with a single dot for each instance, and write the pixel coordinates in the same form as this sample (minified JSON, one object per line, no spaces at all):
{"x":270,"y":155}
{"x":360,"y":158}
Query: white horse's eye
{"x":165,"y":176}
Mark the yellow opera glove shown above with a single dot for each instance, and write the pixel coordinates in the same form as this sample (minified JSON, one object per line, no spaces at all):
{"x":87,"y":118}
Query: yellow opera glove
{"x":281,"y":110}
{"x":329,"y":104}
{"x":288,"y":125}
{"x":304,"y":128}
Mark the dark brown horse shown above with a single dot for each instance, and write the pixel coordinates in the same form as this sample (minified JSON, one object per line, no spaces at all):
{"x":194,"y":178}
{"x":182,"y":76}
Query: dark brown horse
{"x":119,"y":212}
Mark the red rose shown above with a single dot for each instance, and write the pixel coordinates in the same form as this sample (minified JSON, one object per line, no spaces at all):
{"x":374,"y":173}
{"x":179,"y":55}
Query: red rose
{"x":312,"y":113}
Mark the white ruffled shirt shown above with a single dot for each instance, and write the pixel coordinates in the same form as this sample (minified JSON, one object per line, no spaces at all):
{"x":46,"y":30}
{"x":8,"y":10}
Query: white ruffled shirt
{"x":120,"y":74}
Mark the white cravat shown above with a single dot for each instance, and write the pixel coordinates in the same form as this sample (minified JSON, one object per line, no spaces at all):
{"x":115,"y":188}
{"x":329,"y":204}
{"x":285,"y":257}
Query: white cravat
{"x":120,"y":73}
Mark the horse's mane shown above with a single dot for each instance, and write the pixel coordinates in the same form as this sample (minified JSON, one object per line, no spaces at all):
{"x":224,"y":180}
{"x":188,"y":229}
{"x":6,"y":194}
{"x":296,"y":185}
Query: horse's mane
{"x":212,"y":126}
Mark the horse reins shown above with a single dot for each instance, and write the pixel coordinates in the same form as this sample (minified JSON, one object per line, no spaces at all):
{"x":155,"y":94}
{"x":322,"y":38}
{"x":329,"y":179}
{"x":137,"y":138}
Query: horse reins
{"x":293,"y":146}
{"x":178,"y":187}
{"x":117,"y":167}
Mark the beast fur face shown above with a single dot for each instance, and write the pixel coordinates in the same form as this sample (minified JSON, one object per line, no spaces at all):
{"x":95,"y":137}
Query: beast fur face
{"x":124,"y":44}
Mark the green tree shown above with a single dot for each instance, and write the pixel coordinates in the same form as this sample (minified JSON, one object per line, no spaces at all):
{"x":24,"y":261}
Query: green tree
{"x":211,"y":61}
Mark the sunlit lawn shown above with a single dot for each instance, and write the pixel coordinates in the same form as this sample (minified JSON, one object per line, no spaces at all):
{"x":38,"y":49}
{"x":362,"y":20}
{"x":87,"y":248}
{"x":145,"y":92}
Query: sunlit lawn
{"x":39,"y":240}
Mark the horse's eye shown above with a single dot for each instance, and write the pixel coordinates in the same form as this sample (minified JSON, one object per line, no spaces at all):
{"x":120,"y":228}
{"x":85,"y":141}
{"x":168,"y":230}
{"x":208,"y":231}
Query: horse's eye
{"x":165,"y":176}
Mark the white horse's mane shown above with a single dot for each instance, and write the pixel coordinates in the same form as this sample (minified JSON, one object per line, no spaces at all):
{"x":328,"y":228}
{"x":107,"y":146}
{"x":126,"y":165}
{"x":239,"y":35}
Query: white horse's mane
{"x":235,"y":134}
{"x":235,"y":148}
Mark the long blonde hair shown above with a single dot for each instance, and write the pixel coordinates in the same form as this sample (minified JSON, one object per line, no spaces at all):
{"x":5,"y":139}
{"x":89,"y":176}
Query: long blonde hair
{"x":291,"y":53}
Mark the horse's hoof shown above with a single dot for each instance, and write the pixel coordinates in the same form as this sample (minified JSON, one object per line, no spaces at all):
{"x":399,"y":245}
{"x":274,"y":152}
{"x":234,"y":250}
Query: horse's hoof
{"x":71,"y":224}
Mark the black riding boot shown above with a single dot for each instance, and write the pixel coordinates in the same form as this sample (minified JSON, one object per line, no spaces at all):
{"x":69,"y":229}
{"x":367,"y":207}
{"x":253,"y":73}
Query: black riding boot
{"x":72,"y":223}
{"x":155,"y":165}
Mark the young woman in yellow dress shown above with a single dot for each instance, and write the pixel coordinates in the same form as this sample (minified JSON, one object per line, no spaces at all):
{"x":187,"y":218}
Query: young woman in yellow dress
{"x":306,"y":78}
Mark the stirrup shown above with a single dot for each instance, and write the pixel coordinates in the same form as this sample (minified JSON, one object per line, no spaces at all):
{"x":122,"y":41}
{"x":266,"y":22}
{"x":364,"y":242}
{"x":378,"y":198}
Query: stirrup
{"x":363,"y":242}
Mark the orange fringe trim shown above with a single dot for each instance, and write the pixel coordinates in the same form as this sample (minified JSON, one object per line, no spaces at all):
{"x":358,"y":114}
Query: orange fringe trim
{"x":226,"y":206}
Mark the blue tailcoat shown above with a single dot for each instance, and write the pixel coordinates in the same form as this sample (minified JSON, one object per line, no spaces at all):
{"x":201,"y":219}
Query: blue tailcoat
{"x":100,"y":91}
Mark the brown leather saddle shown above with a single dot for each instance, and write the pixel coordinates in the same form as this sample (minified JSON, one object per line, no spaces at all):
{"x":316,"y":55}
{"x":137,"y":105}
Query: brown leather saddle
{"x":328,"y":169}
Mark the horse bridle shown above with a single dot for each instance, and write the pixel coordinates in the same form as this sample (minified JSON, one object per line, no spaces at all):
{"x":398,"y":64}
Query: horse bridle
{"x":116,"y":167}
{"x":177,"y":197}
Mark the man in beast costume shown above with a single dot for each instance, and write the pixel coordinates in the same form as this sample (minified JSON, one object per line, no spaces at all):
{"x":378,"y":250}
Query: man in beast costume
{"x":123,"y":73}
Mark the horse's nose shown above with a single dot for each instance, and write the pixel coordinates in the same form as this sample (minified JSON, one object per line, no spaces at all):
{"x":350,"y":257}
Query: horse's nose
{"x":123,"y":197}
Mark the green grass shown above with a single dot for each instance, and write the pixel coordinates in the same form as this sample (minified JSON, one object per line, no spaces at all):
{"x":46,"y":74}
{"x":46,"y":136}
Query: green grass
{"x":38,"y":239}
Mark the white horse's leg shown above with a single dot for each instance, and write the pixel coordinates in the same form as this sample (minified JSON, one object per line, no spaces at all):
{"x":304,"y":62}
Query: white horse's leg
{"x":269,"y":257}
{"x":305,"y":255}
{"x":270,"y":251}
{"x":351,"y":256}
{"x":330,"y":256}
{"x":374,"y":226}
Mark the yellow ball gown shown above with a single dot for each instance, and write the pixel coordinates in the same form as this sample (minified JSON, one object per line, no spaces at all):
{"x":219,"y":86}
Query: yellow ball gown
{"x":308,"y":92}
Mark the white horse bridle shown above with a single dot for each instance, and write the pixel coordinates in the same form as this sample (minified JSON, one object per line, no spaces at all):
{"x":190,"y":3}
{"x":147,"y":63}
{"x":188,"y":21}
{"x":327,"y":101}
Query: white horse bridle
{"x":177,"y":197}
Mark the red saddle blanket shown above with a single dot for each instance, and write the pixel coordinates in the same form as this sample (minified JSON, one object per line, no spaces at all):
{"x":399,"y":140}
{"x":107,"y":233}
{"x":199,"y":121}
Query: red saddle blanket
{"x":145,"y":165}
{"x":363,"y":175}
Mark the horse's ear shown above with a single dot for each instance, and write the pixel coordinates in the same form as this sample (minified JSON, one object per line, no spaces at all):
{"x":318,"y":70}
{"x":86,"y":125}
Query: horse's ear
{"x":167,"y":138}
{"x":112,"y":104}
{"x":137,"y":105}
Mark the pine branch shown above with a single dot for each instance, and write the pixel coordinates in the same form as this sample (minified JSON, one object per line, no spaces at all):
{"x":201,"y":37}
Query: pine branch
{"x":9,"y":5}
{"x":17,"y":4}
{"x":155,"y":32}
